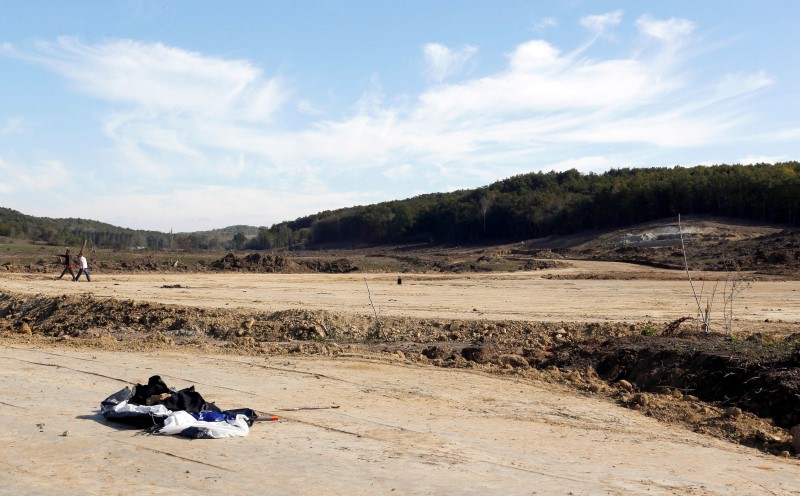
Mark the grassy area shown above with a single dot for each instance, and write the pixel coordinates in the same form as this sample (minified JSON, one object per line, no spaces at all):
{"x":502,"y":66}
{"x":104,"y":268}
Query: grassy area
{"x":23,"y":253}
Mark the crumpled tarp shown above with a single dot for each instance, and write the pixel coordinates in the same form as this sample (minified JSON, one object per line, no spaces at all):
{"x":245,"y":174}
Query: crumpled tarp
{"x":163,"y":410}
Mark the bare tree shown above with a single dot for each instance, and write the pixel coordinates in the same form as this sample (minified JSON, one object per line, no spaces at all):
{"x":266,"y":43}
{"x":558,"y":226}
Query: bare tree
{"x":733,"y":287}
{"x":704,"y":316}
{"x":378,"y":328}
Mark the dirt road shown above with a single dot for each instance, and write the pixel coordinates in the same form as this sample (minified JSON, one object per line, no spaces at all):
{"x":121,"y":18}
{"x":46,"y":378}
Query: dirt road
{"x":400,"y":429}
{"x":660,"y":296}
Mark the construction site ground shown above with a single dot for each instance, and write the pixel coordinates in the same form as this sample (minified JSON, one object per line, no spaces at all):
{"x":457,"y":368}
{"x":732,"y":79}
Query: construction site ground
{"x":473,"y":383}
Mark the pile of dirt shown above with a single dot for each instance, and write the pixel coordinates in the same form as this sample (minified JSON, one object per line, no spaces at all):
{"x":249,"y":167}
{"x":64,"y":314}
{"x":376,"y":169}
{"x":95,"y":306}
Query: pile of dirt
{"x":758,"y":376}
{"x":476,"y":260}
{"x":258,"y":262}
{"x":710,"y":246}
{"x":76,"y":315}
{"x":545,"y":265}
{"x":142,"y":264}
{"x":336,"y":266}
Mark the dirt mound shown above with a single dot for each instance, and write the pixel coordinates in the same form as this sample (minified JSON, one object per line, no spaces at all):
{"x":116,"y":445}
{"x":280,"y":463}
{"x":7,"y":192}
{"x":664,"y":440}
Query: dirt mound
{"x":141,"y":264}
{"x":711,"y":245}
{"x":476,"y":260}
{"x":337,"y":266}
{"x":545,"y":265}
{"x":257,"y":262}
{"x":756,"y":376}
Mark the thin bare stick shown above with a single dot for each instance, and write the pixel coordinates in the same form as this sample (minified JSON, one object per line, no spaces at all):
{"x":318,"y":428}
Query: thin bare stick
{"x":727,"y":299}
{"x":686,"y":264}
{"x":298,"y":408}
{"x":373,"y":307}
{"x":709,"y":304}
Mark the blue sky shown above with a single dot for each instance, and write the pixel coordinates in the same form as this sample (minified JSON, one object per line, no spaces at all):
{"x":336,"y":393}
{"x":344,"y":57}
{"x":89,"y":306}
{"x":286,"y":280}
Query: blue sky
{"x":196,"y":115}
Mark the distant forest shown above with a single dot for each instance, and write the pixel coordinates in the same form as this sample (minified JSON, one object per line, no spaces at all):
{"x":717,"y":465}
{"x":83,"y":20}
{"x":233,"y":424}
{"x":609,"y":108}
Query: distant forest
{"x":72,"y":232}
{"x":545,"y":203}
{"x":518,"y":208}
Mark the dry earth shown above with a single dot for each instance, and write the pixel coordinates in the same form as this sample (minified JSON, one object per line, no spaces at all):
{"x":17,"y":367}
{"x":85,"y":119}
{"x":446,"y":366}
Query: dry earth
{"x":403,"y":424}
{"x":552,"y":295}
{"x":400,"y":429}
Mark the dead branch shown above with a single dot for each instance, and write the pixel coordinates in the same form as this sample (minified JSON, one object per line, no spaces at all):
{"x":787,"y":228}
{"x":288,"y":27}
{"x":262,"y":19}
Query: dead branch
{"x":689,"y":276}
{"x":377,"y":320}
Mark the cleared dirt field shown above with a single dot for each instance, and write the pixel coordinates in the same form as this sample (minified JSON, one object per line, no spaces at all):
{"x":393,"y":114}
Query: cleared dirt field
{"x":402,"y":427}
{"x":399,"y":430}
{"x":656,"y":295}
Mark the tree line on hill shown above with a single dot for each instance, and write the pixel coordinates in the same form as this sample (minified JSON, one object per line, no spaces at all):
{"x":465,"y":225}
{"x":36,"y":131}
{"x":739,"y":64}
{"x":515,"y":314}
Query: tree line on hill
{"x":547,"y":203}
{"x":521,"y":207}
{"x":72,"y":232}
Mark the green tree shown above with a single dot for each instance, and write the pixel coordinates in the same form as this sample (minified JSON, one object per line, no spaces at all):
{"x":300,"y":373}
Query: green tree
{"x":239,"y":240}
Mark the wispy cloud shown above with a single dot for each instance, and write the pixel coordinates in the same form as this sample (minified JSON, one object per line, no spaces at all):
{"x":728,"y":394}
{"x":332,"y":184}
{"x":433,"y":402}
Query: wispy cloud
{"x":205,"y":207}
{"x":544,"y":23}
{"x":762,"y":159}
{"x":669,"y":30}
{"x":738,"y":84}
{"x":159,"y":78}
{"x":443,"y":62}
{"x":13,"y":125}
{"x":44,"y":176}
{"x":584,"y":164}
{"x":402,"y":171}
{"x":600,"y":23}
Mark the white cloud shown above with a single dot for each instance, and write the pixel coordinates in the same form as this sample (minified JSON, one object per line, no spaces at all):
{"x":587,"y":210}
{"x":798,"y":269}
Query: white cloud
{"x":47,"y":175}
{"x":207,"y":207}
{"x":669,"y":30}
{"x":733,"y":85}
{"x":13,"y":125}
{"x":540,"y":79}
{"x":443,"y":62}
{"x":583,"y":164}
{"x":541,"y":24}
{"x":160,"y":96}
{"x":762,"y":159}
{"x":600,"y":23}
{"x":308,"y":108}
{"x":402,"y":171}
{"x":788,"y":134}
{"x":164,"y":79}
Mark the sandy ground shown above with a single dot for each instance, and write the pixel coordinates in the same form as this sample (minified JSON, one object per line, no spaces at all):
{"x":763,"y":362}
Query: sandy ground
{"x":492,"y":296}
{"x":400,"y":429}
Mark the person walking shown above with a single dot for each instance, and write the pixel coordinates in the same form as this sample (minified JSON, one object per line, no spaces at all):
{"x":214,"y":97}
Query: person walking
{"x":67,"y":265}
{"x":84,"y":268}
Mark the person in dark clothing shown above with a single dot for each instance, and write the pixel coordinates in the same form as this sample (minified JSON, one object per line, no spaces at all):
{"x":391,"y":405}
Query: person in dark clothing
{"x":67,"y":265}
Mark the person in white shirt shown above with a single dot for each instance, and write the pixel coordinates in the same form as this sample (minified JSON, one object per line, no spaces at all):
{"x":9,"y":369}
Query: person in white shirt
{"x":84,"y":268}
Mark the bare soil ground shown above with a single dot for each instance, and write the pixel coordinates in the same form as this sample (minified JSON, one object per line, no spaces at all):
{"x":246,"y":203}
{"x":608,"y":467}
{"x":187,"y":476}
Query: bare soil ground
{"x":399,"y":429}
{"x":502,"y":370}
